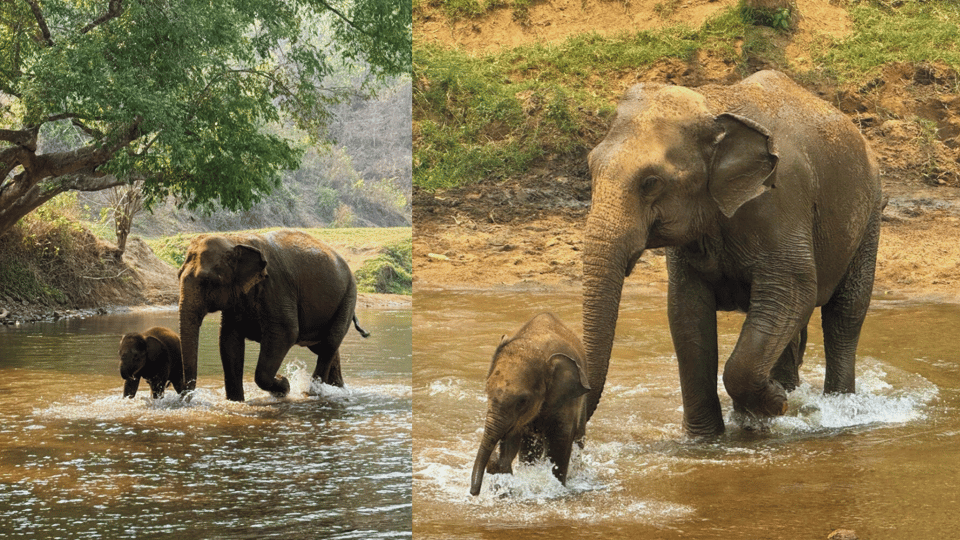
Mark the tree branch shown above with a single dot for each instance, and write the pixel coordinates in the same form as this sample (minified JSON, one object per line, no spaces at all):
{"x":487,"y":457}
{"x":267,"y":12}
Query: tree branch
{"x":345,"y":19}
{"x":114,"y":10}
{"x":95,"y":133}
{"x":83,"y":180}
{"x":27,"y":138}
{"x":41,"y":22}
{"x":88,"y":157}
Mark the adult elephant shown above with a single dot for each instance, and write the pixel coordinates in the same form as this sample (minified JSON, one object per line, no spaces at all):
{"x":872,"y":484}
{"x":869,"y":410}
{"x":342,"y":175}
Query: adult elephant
{"x":280,"y":289}
{"x":768,"y":202}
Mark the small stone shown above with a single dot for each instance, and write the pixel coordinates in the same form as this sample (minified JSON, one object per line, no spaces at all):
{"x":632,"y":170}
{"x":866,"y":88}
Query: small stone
{"x":843,"y":534}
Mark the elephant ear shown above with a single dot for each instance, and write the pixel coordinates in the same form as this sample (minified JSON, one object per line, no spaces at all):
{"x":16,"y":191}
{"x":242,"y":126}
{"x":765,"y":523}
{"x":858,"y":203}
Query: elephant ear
{"x":568,"y":379}
{"x":154,"y":348}
{"x":743,"y":161}
{"x":250,"y":266}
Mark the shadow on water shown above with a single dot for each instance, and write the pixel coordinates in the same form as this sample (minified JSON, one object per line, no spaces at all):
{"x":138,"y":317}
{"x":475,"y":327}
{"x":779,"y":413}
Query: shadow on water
{"x":77,"y":459}
{"x":881,"y":461}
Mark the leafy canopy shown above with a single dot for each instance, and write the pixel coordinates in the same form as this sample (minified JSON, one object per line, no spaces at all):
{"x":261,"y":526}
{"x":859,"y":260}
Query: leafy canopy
{"x":94,"y":92}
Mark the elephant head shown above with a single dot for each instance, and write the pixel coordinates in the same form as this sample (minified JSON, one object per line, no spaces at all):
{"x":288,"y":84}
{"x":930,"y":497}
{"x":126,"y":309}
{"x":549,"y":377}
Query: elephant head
{"x":135,"y":349}
{"x":526,"y":380}
{"x":215,"y":274}
{"x":665,"y":175}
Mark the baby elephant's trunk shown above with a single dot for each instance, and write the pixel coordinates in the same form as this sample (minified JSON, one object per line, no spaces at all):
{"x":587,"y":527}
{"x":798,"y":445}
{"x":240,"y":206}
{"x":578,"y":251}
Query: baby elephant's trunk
{"x":493,"y":432}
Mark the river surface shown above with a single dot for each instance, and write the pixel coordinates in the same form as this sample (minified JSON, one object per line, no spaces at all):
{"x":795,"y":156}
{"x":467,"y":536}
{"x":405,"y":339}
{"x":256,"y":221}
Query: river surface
{"x":79,"y":461}
{"x":884,"y":462}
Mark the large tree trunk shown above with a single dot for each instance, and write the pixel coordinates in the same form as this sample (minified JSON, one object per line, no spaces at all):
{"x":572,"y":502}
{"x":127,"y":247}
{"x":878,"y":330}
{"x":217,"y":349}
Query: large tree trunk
{"x":44,"y":176}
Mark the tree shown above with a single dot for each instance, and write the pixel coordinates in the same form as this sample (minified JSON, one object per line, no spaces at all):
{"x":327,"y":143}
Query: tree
{"x":177,"y":92}
{"x":127,"y":202}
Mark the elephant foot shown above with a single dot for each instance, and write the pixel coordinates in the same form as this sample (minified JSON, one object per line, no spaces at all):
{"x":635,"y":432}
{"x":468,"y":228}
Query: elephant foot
{"x":771,"y":400}
{"x":279,"y":389}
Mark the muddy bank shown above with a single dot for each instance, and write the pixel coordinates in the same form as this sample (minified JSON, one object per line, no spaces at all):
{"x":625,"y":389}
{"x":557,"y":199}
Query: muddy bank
{"x":142,"y":280}
{"x":919,"y":255}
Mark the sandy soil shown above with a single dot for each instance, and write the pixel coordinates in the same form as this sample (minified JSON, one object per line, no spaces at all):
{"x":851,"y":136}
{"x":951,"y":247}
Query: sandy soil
{"x":526,"y":232}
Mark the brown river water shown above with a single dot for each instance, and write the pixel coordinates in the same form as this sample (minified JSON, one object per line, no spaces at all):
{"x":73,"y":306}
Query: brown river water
{"x":884,"y":462}
{"x":79,"y":461}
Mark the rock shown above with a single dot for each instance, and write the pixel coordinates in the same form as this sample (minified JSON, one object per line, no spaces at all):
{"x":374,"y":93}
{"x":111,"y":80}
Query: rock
{"x":843,"y":534}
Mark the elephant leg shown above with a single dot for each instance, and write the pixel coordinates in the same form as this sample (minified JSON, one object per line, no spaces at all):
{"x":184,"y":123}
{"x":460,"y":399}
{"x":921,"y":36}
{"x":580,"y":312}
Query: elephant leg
{"x":328,"y":351}
{"x":231,"y":356}
{"x":130,"y":387}
{"x":559,"y":449}
{"x":787,"y":369}
{"x":509,"y":447}
{"x":692,"y":311}
{"x":272,"y":352}
{"x":531,"y":446}
{"x":843,"y":315}
{"x":779,"y":307}
{"x":328,"y":366}
{"x":157,"y":386}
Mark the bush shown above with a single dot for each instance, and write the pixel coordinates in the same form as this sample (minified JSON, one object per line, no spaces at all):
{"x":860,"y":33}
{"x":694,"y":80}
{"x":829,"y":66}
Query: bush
{"x":391,"y":271}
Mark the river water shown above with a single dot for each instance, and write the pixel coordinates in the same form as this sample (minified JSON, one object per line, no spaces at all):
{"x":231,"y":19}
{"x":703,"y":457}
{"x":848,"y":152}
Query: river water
{"x":884,"y":462}
{"x":79,"y":461}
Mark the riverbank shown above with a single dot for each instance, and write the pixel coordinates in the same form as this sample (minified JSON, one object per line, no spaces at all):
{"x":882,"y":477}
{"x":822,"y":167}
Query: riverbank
{"x":483,"y":224}
{"x":56,"y":268}
{"x":918,"y":258}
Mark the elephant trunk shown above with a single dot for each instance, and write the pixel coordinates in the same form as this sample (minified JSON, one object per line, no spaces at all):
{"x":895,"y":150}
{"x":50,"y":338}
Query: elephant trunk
{"x":190,"y":321}
{"x":609,"y":255}
{"x":493,"y":432}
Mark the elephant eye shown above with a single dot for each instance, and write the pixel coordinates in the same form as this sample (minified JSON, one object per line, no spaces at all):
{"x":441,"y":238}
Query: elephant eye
{"x":649,"y":184}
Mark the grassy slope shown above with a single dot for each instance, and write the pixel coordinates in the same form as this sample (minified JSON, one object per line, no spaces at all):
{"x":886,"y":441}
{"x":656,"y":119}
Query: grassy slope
{"x":494,"y":116}
{"x":388,"y":272}
{"x":54,"y":260}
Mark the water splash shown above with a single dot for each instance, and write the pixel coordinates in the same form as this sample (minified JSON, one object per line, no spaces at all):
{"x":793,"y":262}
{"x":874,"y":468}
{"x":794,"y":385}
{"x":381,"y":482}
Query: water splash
{"x":885,"y":396}
{"x":455,"y":388}
{"x":210,"y":401}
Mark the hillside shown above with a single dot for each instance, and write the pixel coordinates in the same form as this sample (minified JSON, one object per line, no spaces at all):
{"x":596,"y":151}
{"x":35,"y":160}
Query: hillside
{"x":524,"y":223}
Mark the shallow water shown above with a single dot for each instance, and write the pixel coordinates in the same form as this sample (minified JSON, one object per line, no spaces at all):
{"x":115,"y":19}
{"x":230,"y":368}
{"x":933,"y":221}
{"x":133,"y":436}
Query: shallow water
{"x":884,"y":462}
{"x":79,"y":461}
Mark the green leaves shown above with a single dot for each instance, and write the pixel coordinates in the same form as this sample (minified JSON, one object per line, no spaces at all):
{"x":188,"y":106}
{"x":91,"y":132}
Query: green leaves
{"x":199,"y":81}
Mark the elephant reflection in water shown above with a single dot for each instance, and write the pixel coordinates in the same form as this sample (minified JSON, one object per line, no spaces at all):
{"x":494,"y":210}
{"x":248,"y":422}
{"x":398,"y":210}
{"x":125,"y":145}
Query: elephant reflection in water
{"x":536,"y":397}
{"x":280,"y":289}
{"x":768,"y":201}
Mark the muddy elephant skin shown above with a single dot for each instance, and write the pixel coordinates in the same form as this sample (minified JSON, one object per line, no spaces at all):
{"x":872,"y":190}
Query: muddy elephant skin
{"x":153,"y":355}
{"x":768,"y":201}
{"x":536,"y":397}
{"x":280,"y":289}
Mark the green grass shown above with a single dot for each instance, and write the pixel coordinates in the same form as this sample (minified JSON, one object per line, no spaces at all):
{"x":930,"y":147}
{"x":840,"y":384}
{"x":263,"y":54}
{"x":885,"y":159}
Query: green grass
{"x":915,"y":31}
{"x":497,"y":115}
{"x":20,"y":281}
{"x":389,"y":272}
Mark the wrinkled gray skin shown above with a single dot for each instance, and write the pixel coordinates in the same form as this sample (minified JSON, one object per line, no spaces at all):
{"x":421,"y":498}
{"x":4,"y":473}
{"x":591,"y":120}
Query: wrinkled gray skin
{"x":536,"y":396}
{"x":153,"y":355}
{"x":280,"y":289}
{"x":768,"y":201}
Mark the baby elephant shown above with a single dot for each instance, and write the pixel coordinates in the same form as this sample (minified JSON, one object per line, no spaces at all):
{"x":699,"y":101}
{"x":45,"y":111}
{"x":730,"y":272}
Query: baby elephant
{"x":536,"y":395}
{"x":153,"y":355}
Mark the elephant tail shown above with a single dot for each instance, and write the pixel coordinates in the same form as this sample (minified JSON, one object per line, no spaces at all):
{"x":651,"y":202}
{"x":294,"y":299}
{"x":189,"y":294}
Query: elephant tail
{"x":356,"y":324}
